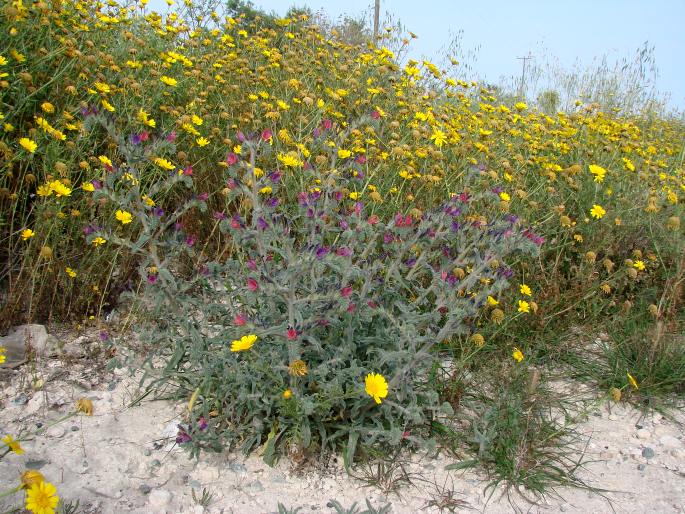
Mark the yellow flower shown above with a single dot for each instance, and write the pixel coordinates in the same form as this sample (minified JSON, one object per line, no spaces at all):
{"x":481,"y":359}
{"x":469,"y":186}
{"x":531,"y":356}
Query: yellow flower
{"x":88,"y":186}
{"x":266,"y":190}
{"x":376,"y":386}
{"x":98,"y":241}
{"x":524,"y":306}
{"x":526,"y":290}
{"x":84,"y":405}
{"x":105,"y":160}
{"x":44,"y":190}
{"x":28,"y":144}
{"x":354,"y":195}
{"x":169,"y":81}
{"x":632,"y":380}
{"x":289,"y":160}
{"x":287,"y":394}
{"x":2,"y":354}
{"x":196,"y":120}
{"x":30,"y":477}
{"x":108,"y":106}
{"x":124,"y":217}
{"x":598,"y":172}
{"x":597,"y":211}
{"x":639,"y":265}
{"x":439,"y":138}
{"x":59,"y":188}
{"x":12,"y":444}
{"x":343,"y":154}
{"x":27,"y":233}
{"x":42,"y":498}
{"x":478,"y":340}
{"x":70,"y":272}
{"x":521,"y":106}
{"x":517,"y":355}
{"x":163,"y":163}
{"x":244,"y":343}
{"x":202,"y":141}
{"x":47,"y":107}
{"x":492,"y":302}
{"x":504,"y":196}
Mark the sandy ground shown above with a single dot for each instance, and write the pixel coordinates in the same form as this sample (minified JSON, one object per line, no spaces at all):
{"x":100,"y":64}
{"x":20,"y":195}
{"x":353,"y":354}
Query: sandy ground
{"x":122,"y":459}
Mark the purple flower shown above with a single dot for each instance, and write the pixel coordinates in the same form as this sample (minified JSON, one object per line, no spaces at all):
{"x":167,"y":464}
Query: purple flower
{"x":182,"y":436}
{"x":388,"y":238}
{"x":262,"y":224}
{"x":219,"y":215}
{"x":273,"y":202}
{"x":410,"y":262}
{"x":344,"y":251}
{"x":104,"y":335}
{"x":152,"y":278}
{"x":202,"y":423}
{"x":321,"y":252}
{"x":511,"y":218}
{"x":251,"y":265}
{"x":190,"y":239}
{"x":96,"y":184}
{"x":178,"y":225}
{"x":203,"y":196}
{"x":275,"y":176}
{"x":302,"y":198}
{"x":505,"y":271}
{"x":171,"y":137}
{"x":344,"y":225}
{"x":358,"y":206}
{"x":158,"y":211}
{"x":89,"y":229}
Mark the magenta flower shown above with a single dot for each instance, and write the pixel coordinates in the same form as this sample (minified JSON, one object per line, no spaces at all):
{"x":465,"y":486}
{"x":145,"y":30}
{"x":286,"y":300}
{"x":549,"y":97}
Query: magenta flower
{"x":232,"y":159}
{"x":346,"y":291}
{"x":252,"y":284}
{"x":291,"y":334}
{"x":240,"y":320}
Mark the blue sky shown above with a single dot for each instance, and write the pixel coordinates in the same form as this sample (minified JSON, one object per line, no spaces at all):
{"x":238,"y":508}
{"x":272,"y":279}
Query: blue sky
{"x":499,"y":31}
{"x":505,"y":29}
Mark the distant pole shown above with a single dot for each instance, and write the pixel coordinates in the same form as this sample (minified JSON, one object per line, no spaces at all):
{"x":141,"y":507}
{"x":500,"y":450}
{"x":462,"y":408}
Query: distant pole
{"x":376,"y":14}
{"x":523,"y":72}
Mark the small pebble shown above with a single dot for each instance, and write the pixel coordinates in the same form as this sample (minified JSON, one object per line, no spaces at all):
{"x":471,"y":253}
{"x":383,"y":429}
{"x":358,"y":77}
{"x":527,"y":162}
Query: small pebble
{"x":641,"y":467}
{"x":74,"y":428}
{"x":647,"y":453}
{"x":145,"y":489}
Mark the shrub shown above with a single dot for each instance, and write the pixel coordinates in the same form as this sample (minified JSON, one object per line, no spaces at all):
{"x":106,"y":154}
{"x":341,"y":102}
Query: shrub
{"x":320,"y":325}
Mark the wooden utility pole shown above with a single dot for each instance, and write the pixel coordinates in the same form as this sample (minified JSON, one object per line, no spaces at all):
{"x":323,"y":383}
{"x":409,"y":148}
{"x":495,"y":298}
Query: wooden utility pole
{"x":376,"y":15}
{"x":523,"y":72}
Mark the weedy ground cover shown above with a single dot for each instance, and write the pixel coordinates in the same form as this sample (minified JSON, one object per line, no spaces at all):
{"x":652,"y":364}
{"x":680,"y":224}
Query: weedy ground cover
{"x":335,"y":250}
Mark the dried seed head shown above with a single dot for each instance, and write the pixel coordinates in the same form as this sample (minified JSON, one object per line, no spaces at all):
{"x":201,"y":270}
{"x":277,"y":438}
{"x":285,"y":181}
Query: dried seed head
{"x":298,"y":368}
{"x":478,"y":340}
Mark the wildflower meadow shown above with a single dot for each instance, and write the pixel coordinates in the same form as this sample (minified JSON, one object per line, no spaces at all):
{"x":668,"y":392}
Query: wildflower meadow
{"x":325,"y":247}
